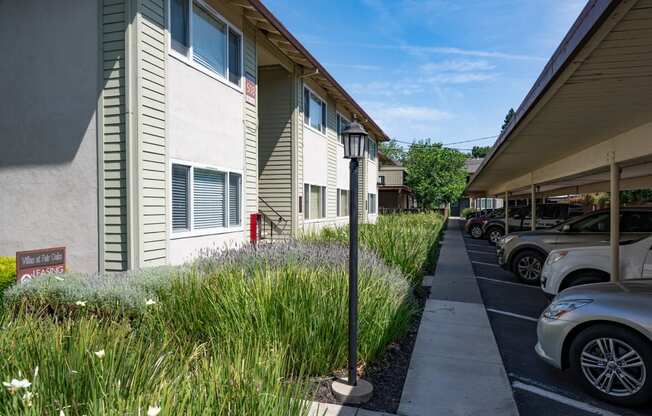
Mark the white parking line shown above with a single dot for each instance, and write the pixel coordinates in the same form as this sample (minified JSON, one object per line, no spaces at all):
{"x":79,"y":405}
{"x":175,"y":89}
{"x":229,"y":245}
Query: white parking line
{"x":508,"y":283}
{"x":513,"y":315}
{"x":485,"y":263}
{"x":562,"y":399}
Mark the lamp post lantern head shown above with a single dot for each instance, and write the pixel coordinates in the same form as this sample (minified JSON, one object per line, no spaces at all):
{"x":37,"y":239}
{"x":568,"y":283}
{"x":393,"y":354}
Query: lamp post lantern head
{"x":355,"y":140}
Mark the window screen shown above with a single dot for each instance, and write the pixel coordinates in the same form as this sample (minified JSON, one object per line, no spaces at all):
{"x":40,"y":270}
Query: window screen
{"x":180,"y":198}
{"x":179,"y":24}
{"x":209,"y":41}
{"x":235,"y":70}
{"x":208,"y":199}
{"x":235,"y":189}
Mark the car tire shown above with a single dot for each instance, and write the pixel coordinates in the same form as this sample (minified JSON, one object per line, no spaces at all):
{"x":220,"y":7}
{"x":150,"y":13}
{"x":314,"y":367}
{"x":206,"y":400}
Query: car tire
{"x":527,"y":266}
{"x":582,"y":278}
{"x":587,"y":360}
{"x":476,"y":231}
{"x":494,"y":234}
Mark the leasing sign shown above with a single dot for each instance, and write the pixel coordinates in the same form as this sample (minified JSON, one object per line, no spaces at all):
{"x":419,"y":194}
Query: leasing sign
{"x":31,"y":264}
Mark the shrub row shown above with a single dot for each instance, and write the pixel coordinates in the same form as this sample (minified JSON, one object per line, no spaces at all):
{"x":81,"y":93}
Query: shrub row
{"x":237,"y":332}
{"x":7,"y":272}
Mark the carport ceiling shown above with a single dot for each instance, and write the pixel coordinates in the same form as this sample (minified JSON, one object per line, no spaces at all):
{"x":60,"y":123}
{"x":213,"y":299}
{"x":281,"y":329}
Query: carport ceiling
{"x":601,"y":89}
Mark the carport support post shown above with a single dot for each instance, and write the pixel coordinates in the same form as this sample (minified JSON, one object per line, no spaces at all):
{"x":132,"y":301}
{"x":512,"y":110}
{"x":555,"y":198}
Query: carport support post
{"x":614,"y":198}
{"x":533,"y":205}
{"x":506,"y":204}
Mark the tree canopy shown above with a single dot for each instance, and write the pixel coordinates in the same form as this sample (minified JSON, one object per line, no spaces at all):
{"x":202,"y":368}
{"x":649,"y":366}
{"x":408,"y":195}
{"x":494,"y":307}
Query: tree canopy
{"x":508,"y":118}
{"x":480,"y":151}
{"x":392,"y":149}
{"x":435,"y":173}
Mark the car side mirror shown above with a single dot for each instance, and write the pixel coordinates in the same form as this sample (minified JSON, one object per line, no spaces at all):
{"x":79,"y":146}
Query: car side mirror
{"x":566,"y":228}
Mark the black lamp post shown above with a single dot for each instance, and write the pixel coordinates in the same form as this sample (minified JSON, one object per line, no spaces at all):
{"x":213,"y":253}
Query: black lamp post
{"x":354,"y":391}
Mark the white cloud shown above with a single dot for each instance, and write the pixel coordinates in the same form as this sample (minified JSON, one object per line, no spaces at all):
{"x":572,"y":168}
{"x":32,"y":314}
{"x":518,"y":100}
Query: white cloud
{"x":407,"y":121}
{"x":457,"y":66}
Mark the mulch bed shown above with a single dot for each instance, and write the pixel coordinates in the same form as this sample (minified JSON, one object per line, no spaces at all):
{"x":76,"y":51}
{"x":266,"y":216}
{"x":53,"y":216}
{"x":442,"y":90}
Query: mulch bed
{"x":387,"y":374}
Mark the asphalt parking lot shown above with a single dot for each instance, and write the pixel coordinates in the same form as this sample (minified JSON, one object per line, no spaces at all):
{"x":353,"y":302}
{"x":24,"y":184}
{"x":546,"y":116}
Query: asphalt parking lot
{"x":513,"y":310}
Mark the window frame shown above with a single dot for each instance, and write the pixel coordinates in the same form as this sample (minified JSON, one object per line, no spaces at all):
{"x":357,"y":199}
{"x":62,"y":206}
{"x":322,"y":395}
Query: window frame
{"x":338,"y":211}
{"x":306,"y":202}
{"x":306,"y":115}
{"x":188,"y":57}
{"x":198,"y":232}
{"x":339,"y":117}
{"x":369,"y":204}
{"x":375,"y":152}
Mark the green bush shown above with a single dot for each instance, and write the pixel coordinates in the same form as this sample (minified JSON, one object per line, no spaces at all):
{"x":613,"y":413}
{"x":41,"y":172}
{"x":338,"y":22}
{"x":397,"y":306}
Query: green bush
{"x":466,"y":212}
{"x":237,"y":332}
{"x":7,"y":272}
{"x":406,"y":241}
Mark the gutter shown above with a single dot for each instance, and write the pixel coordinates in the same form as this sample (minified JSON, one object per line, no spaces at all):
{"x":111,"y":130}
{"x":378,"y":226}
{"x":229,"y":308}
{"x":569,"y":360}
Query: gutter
{"x":590,"y":19}
{"x":260,"y":8}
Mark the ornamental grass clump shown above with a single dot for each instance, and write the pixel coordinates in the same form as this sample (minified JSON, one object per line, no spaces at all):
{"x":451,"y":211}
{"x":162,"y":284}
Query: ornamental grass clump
{"x":406,"y":241}
{"x":7,"y":272}
{"x":236,"y":332}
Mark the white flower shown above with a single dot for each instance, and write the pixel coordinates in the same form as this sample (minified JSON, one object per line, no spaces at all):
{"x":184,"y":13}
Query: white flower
{"x":59,"y":278}
{"x":100,"y":353}
{"x":61,"y":413}
{"x":27,"y":399}
{"x":80,"y":303}
{"x":15,"y":385}
{"x":150,"y":302}
{"x":153,"y":411}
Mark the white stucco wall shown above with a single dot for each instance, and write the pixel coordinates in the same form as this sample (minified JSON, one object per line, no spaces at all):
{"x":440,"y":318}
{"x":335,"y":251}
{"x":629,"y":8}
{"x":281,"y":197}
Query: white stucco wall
{"x":315,"y":159}
{"x":205,"y":127}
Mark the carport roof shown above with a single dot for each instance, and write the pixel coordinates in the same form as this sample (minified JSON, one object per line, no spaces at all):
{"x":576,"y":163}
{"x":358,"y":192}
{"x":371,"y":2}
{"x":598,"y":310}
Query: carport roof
{"x":592,"y":101}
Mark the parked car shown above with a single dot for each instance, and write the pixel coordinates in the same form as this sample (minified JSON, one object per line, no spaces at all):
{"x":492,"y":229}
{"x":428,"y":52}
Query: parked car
{"x":524,"y":253}
{"x":603,"y":334}
{"x":570,"y":267}
{"x":474,"y":225}
{"x":547,"y":215}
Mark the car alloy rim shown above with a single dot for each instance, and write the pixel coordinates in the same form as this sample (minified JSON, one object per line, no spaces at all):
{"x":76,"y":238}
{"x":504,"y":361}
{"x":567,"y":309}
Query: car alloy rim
{"x":529,"y":268}
{"x":613,"y":367}
{"x":495,"y":236}
{"x":477,"y":232}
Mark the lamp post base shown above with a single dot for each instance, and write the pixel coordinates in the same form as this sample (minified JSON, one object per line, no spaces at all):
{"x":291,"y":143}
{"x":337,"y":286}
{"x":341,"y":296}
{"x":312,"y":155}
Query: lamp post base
{"x":360,"y":393}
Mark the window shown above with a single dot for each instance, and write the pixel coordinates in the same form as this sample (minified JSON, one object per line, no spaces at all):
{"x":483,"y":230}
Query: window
{"x":180,"y":200}
{"x":597,"y":223}
{"x":314,"y":202}
{"x":341,"y":125}
{"x":205,"y":199}
{"x":342,"y":203}
{"x":202,"y":36}
{"x":373,"y":148}
{"x":314,"y":111}
{"x":371,"y":205}
{"x":381,"y":180}
{"x":235,"y":198}
{"x":636,"y":222}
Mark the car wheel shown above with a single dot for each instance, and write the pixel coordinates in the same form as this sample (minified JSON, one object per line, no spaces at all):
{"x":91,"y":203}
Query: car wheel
{"x":494,"y":234}
{"x":613,"y":363}
{"x":583,"y":278}
{"x":527,"y":266}
{"x":476,"y":231}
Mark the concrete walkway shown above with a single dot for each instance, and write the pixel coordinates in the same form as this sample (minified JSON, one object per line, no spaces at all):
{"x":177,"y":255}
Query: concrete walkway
{"x":456,"y":368}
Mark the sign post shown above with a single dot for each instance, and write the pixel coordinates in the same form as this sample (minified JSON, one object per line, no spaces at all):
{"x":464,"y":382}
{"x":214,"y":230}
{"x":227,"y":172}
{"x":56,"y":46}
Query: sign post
{"x":31,"y":264}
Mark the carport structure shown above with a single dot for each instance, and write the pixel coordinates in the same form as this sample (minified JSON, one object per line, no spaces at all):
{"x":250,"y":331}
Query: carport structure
{"x":586,"y":124}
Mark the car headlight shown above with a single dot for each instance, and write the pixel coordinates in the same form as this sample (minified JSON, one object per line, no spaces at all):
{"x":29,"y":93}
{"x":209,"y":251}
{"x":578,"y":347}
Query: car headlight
{"x":555,"y":256}
{"x":557,"y":309}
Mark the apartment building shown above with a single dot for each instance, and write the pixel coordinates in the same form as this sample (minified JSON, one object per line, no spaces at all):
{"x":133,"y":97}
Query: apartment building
{"x":394,"y":193}
{"x":139,"y":132}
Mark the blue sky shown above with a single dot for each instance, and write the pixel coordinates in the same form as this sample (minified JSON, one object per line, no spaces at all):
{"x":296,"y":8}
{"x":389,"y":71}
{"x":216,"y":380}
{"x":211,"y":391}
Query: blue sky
{"x":440,"y":69}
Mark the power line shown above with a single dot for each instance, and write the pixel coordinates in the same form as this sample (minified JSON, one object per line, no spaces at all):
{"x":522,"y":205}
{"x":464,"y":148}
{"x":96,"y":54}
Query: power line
{"x":456,"y":142}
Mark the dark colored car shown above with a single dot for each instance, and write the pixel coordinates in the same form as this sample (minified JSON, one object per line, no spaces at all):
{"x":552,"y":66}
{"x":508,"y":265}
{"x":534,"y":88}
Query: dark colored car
{"x":474,"y":225}
{"x":524,"y":253}
{"x":520,"y":219}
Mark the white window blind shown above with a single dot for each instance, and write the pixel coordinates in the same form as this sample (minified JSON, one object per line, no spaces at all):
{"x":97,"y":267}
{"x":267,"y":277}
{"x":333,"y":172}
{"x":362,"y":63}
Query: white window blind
{"x":235,"y":197}
{"x":371,"y":203}
{"x":209,"y":40}
{"x":180,"y":200}
{"x":208,"y":199}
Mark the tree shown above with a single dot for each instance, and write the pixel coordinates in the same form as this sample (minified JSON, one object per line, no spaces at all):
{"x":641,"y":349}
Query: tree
{"x":480,"y":151}
{"x":392,"y":149}
{"x":435,"y":173}
{"x":508,"y":118}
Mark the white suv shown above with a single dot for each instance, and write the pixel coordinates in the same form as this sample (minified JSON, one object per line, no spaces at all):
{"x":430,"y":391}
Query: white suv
{"x":583,"y":265}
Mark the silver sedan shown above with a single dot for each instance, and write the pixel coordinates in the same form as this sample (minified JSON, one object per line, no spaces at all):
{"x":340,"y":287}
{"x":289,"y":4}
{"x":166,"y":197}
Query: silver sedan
{"x":603,"y":333}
